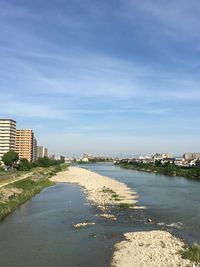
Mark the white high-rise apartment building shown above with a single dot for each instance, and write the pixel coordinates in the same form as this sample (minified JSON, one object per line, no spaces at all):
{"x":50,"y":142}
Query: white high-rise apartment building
{"x":7,"y":136}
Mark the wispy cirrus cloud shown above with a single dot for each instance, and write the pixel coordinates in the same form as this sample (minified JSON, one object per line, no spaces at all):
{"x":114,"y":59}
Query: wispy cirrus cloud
{"x":114,"y":68}
{"x":179,"y":19}
{"x":30,"y":110}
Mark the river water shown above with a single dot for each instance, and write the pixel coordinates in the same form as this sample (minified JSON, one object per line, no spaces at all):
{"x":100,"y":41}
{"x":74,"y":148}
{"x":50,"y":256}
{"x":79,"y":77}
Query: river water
{"x":41,"y":232}
{"x":172,"y":202}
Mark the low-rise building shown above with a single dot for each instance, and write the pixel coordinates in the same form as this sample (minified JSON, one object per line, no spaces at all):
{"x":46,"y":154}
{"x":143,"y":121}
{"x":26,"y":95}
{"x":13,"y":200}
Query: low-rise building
{"x":161,"y":156}
{"x":179,"y":161}
{"x":191,"y":156}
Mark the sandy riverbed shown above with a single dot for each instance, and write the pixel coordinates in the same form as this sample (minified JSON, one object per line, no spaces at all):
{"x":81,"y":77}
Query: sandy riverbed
{"x":140,"y":249}
{"x":99,"y":189}
{"x":149,"y":249}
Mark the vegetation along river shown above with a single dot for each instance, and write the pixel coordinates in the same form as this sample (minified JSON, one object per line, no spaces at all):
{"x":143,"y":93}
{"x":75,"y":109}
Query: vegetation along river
{"x":41,"y":232}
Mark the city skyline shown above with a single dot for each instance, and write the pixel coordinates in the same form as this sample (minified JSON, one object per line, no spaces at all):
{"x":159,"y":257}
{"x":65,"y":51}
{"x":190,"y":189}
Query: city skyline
{"x":102,"y":78}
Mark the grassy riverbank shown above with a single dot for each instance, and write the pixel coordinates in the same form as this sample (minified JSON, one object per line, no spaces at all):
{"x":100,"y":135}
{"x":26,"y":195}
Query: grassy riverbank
{"x":166,"y":169}
{"x":17,"y":193}
{"x":11,"y":175}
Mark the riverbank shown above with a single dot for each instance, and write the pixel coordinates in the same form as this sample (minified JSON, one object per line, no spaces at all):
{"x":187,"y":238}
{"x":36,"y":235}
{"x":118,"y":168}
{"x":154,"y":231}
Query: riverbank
{"x":13,"y":193}
{"x":12,"y":176}
{"x":167,"y":169}
{"x":151,"y":248}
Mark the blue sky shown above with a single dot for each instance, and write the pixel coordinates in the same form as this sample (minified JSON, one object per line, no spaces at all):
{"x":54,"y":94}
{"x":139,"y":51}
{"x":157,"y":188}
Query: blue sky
{"x":103,"y":77}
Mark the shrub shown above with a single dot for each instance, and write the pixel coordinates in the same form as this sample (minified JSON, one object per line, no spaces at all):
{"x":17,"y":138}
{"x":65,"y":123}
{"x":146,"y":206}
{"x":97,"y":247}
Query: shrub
{"x":125,"y":205}
{"x":24,"y":165}
{"x":192,"y":253}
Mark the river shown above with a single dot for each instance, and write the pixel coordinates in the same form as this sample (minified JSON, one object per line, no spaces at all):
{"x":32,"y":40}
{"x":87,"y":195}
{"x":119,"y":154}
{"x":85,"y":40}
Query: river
{"x":41,"y":232}
{"x":172,"y":202}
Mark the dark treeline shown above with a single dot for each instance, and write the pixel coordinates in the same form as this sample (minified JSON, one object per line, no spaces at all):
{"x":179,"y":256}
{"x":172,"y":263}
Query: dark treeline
{"x":45,"y":162}
{"x":166,"y":169}
{"x":94,"y":160}
{"x":11,"y":161}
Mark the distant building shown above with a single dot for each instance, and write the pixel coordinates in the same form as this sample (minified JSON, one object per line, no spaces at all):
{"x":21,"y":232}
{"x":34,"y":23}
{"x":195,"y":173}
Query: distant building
{"x":42,"y":152}
{"x":191,"y":156}
{"x":34,"y":149}
{"x":24,"y":144}
{"x":166,"y":155}
{"x":69,"y":159}
{"x":7,"y":136}
{"x":161,"y":156}
{"x":46,"y":154}
{"x":179,"y":161}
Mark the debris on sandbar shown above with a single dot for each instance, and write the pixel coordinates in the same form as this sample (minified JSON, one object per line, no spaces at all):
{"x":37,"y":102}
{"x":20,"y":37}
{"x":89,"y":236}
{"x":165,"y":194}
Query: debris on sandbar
{"x":83,"y":224}
{"x":108,"y":216}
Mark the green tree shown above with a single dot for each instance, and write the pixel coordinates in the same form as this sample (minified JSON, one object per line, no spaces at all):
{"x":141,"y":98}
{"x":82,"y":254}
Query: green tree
{"x":10,"y":158}
{"x":169,"y":168}
{"x":24,"y":165}
{"x":158,"y":163}
{"x":43,"y":162}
